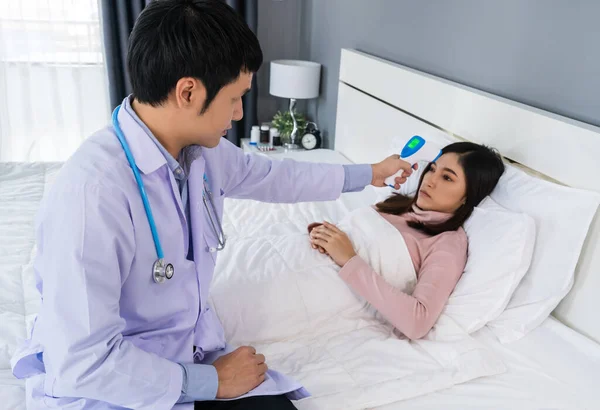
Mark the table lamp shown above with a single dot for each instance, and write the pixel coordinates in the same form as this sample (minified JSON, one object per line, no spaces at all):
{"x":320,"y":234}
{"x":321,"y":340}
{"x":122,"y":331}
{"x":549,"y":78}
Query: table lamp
{"x":294,"y":79}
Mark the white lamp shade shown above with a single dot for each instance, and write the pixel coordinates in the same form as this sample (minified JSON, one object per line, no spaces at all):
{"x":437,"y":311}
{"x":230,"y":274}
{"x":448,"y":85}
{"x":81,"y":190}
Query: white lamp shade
{"x":295,"y":79}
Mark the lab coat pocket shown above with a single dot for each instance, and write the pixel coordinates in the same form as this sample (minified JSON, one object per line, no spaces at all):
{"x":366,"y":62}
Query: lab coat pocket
{"x":150,"y":344}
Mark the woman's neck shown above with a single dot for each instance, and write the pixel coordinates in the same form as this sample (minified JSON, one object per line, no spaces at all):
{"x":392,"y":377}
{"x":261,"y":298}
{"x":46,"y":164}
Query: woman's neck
{"x":428,"y":216}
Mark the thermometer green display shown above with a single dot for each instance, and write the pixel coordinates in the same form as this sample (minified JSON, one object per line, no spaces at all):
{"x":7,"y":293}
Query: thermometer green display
{"x":416,"y":149}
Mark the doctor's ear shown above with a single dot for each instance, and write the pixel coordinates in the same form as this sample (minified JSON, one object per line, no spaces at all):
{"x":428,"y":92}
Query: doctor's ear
{"x":189,"y":92}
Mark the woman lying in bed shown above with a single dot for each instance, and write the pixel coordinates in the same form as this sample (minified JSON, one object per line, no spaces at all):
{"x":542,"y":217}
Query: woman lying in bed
{"x":431,"y":225}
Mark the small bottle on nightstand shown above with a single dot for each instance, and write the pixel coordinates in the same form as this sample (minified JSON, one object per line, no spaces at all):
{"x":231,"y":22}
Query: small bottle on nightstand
{"x":255,"y":135}
{"x":264,"y":134}
{"x":275,"y":138}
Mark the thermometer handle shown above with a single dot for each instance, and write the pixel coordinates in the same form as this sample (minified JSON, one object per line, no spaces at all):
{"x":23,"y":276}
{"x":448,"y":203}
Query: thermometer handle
{"x":390,"y":181}
{"x":416,"y":149}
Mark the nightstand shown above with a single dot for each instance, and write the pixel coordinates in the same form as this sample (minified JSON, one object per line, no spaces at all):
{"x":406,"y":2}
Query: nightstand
{"x":254,"y":149}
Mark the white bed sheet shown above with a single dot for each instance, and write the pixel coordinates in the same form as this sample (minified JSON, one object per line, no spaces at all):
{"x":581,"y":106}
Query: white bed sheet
{"x":22,"y":187}
{"x":552,"y":368}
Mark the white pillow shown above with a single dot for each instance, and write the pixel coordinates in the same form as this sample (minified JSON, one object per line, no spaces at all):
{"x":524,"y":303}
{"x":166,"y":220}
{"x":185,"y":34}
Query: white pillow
{"x":562,"y":216}
{"x":500,"y":248}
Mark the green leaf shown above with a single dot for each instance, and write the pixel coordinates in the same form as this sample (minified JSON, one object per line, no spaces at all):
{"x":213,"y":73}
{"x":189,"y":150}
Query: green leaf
{"x":284,"y":123}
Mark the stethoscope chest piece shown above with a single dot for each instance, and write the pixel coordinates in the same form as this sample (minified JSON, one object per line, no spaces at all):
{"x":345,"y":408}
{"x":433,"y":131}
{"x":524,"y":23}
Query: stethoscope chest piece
{"x":162,"y":272}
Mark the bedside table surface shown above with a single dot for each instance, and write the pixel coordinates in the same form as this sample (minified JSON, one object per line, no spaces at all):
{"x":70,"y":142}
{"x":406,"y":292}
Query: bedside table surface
{"x":254,"y":149}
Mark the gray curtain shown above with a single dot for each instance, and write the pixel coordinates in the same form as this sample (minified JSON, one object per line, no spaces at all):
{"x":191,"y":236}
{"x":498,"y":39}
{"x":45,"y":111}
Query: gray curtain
{"x":118,"y":18}
{"x":241,"y":129}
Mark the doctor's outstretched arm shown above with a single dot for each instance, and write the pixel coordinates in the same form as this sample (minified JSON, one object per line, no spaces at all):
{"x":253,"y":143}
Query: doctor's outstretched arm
{"x":260,"y":178}
{"x":86,"y":248}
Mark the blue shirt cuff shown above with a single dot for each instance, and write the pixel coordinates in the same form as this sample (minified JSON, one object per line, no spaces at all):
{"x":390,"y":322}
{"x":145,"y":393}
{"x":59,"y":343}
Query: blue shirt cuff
{"x":357,"y":177}
{"x":200,"y":383}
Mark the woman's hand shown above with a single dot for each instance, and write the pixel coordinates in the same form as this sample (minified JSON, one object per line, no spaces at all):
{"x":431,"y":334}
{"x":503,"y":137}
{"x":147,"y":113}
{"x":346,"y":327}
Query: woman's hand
{"x":335,"y":242}
{"x":310,"y":228}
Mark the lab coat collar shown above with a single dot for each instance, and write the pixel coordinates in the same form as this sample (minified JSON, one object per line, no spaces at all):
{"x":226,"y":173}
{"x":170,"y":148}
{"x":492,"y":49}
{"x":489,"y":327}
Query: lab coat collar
{"x":148,"y":157}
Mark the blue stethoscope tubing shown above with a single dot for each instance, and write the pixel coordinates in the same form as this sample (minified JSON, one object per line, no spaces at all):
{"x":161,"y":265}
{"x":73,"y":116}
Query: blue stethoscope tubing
{"x":140,"y":183}
{"x":160,"y":270}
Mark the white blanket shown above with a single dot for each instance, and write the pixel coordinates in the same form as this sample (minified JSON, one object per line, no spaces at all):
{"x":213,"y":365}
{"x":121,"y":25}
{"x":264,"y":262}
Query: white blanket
{"x":275,"y":292}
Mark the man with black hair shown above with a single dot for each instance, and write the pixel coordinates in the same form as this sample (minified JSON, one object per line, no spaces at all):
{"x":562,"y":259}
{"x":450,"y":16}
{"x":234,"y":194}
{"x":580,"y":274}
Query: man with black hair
{"x":109,"y":337}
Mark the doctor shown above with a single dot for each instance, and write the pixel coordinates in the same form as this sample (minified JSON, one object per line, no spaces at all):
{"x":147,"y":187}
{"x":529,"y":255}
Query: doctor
{"x":125,"y":259}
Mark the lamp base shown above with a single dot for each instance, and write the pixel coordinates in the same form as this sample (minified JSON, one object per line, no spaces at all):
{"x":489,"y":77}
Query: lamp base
{"x":291,"y":147}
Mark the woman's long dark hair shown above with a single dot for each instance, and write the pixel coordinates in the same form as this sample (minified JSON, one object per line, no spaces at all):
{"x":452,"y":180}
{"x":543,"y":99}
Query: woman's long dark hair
{"x":482,"y":166}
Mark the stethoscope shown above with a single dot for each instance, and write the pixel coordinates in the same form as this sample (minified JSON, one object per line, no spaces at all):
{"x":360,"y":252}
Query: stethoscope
{"x":218,"y":227}
{"x":160,"y":269}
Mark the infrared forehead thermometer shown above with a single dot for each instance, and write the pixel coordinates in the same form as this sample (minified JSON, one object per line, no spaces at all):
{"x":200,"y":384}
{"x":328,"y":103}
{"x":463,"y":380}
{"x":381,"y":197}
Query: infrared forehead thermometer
{"x":416,"y":149}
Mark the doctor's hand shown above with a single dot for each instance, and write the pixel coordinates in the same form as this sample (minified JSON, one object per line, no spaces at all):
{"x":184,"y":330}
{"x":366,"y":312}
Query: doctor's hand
{"x":239,"y":372}
{"x":335,"y":243}
{"x":389,"y":167}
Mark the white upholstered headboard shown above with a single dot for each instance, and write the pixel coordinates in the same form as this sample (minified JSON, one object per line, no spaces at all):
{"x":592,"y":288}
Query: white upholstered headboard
{"x":377,"y":99}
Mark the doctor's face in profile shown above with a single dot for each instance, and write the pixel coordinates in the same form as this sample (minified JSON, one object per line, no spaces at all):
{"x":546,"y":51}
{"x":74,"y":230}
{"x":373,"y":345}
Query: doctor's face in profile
{"x":206,"y":127}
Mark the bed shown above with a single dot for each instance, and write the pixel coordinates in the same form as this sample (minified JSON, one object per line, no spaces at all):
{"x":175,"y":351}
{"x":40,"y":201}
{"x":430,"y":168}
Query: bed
{"x":553,"y":367}
{"x":556,"y":365}
{"x":22,"y":187}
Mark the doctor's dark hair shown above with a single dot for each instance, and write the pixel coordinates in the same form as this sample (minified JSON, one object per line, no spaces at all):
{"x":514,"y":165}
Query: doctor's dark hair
{"x":204,"y":39}
{"x":483,"y":168}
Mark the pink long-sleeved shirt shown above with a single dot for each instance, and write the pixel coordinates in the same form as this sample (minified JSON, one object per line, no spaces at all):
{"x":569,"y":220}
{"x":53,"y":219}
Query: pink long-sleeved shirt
{"x":439,"y":262}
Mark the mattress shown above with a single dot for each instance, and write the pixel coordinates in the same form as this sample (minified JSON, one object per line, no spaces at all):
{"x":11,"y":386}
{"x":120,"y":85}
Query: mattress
{"x":552,"y":368}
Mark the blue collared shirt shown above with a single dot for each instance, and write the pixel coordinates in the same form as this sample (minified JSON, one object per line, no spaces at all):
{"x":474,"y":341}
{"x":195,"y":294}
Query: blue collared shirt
{"x":200,"y":382}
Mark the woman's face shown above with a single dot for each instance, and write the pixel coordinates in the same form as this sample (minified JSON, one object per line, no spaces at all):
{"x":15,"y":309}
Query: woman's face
{"x":444,"y":186}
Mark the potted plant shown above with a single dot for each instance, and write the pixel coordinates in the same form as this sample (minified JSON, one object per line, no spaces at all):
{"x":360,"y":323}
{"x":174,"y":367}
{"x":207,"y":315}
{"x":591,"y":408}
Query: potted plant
{"x":284,"y":123}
